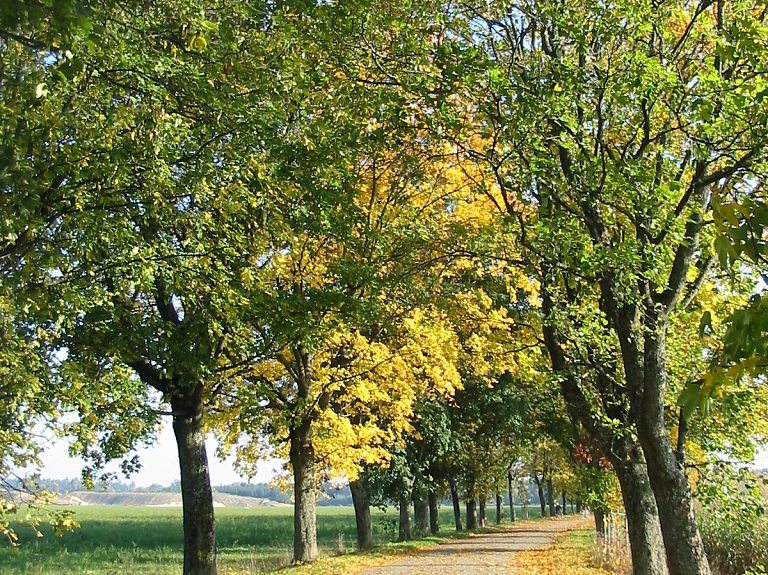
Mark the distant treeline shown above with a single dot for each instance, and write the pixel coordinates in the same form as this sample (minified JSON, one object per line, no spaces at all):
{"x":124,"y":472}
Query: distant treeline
{"x":332,"y":493}
{"x":67,"y":485}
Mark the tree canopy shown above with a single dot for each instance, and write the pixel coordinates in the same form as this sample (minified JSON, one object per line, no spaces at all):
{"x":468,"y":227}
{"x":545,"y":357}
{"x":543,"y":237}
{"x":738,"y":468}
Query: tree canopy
{"x":427,"y":247}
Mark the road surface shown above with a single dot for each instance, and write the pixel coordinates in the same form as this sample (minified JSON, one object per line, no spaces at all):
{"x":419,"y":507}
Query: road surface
{"x":488,"y":553}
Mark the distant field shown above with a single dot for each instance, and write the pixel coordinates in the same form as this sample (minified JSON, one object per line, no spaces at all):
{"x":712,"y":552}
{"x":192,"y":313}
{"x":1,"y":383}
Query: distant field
{"x":147,"y":540}
{"x":144,"y":499}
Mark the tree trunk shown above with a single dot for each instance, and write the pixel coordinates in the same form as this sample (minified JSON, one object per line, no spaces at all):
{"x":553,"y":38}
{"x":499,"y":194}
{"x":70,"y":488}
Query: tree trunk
{"x":678,"y":523}
{"x":565,"y":500}
{"x":362,"y":514}
{"x":456,"y":504}
{"x":599,"y":524}
{"x":471,"y":514}
{"x":434,"y":517}
{"x":499,"y":508}
{"x":645,"y":540}
{"x":551,"y":497}
{"x":420,"y":513}
{"x":511,"y":498}
{"x":404,"y":532}
{"x":674,"y":501}
{"x":196,"y":493}
{"x":624,"y":454}
{"x":483,"y":517}
{"x":304,"y":519}
{"x":542,"y":502}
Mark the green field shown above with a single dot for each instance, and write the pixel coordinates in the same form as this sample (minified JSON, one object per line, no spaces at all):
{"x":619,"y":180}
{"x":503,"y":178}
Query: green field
{"x":147,"y":540}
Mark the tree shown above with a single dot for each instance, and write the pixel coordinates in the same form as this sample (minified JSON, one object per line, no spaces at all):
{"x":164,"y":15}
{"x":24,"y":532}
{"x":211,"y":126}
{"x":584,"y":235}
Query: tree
{"x":357,"y":340}
{"x":608,"y":132}
{"x":32,"y":199}
{"x":161,"y":169}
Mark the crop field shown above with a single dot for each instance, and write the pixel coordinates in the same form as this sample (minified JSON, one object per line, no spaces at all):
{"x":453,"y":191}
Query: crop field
{"x":147,"y":540}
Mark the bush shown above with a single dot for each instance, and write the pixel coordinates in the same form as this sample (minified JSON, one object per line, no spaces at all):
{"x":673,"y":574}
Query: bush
{"x":735,"y":548}
{"x":733,"y":523}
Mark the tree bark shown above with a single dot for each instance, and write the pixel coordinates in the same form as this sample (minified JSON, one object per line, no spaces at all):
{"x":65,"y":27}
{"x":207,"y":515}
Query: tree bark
{"x":625,"y":455}
{"x":499,"y":508}
{"x":483,"y":517}
{"x":565,"y":500}
{"x":420,"y":513}
{"x":667,"y":477}
{"x":456,"y":504}
{"x":434,"y":517}
{"x":304,"y":519}
{"x":362,"y":513}
{"x":404,"y":533}
{"x":600,"y":524}
{"x":471,"y":514}
{"x":542,"y":502}
{"x":551,"y":497}
{"x":645,"y":540}
{"x":196,"y":493}
{"x":511,"y":498}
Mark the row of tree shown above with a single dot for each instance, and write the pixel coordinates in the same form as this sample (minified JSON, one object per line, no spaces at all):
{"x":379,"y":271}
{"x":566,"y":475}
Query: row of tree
{"x":416,"y":246}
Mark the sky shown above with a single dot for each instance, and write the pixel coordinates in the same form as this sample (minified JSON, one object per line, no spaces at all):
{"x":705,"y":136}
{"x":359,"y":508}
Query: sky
{"x":160,"y":464}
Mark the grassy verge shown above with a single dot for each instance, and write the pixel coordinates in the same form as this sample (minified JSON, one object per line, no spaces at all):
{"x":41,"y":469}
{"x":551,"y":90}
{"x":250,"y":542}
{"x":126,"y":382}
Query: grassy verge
{"x":146,"y":540}
{"x":570,"y":554}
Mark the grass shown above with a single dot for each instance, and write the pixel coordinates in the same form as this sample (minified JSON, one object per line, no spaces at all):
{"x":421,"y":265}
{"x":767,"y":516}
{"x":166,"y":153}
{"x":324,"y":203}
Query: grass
{"x":570,"y":554}
{"x":147,"y":540}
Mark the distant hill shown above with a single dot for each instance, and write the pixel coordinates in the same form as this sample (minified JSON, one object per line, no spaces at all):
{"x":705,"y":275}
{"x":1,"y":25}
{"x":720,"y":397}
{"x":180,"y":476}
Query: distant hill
{"x":242,"y":494}
{"x":144,"y":499}
{"x":332,"y":494}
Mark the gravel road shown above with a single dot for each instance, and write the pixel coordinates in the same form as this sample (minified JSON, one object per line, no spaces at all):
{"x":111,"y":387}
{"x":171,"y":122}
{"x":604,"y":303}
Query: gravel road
{"x":487,"y":553}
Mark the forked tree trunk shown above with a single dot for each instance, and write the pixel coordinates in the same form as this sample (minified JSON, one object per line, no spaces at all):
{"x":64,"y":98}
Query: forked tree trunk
{"x":456,"y":504}
{"x":434,"y":517}
{"x":362,"y":513}
{"x":625,"y":455}
{"x":511,"y":498}
{"x":645,"y":540}
{"x":196,"y":493}
{"x":420,"y":513}
{"x":304,"y":518}
{"x":499,"y":508}
{"x":672,"y":490}
{"x":404,"y":532}
{"x":471,"y":514}
{"x":678,"y":523}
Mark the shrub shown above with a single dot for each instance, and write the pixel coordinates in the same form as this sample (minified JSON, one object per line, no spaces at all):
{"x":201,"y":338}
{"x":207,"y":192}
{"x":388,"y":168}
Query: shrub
{"x":733,"y":523}
{"x":735,"y":548}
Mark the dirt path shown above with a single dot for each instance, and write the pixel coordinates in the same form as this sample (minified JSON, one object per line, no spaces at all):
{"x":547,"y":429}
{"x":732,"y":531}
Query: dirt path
{"x":479,"y":554}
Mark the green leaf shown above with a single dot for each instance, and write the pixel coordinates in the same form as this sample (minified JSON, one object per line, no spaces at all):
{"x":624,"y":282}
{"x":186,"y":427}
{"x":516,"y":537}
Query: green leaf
{"x":723,"y":248}
{"x":705,"y":325}
{"x":690,"y":398}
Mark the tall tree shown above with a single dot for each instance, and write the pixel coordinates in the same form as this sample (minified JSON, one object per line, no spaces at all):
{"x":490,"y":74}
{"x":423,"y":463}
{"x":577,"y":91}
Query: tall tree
{"x":608,"y":132}
{"x":156,"y":141}
{"x":358,"y":342}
